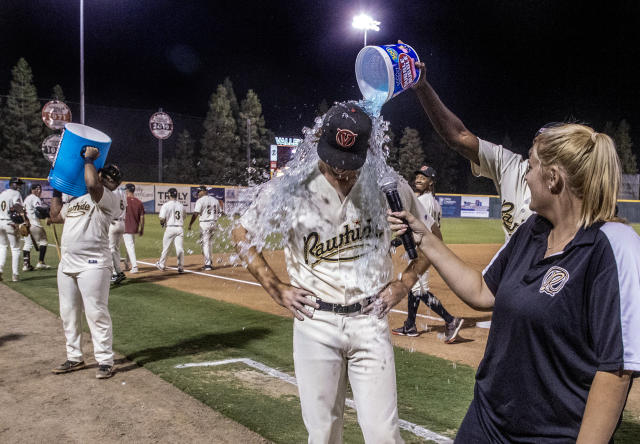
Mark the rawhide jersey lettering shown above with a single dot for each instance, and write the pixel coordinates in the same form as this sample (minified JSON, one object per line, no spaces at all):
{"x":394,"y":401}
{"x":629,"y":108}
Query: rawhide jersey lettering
{"x":507,"y":170}
{"x":173,"y":213}
{"x":208,"y":208}
{"x":334,"y":251}
{"x":8,"y":198}
{"x":30,"y":203}
{"x":556,"y":322}
{"x":85,"y":234}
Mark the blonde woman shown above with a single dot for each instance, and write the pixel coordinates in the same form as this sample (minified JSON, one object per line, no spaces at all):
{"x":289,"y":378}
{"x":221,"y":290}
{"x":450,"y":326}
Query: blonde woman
{"x":565,"y":295}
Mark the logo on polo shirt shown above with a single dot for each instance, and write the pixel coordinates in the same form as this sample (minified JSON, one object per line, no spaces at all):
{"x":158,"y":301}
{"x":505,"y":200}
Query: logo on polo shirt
{"x":554,"y":280}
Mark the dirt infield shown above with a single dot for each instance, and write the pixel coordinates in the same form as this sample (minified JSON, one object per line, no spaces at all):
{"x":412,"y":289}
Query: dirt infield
{"x":133,"y":406}
{"x":236,"y":285}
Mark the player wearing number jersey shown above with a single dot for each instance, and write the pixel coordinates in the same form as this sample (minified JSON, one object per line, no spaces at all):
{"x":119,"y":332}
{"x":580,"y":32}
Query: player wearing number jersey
{"x":116,"y":230}
{"x":172,"y":219}
{"x":36,"y":234}
{"x":8,"y":231}
{"x":208,"y":209}
{"x":86,"y":265}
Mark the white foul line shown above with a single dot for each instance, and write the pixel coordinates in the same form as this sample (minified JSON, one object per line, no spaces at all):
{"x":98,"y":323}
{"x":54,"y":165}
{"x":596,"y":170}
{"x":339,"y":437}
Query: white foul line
{"x":406,"y":425}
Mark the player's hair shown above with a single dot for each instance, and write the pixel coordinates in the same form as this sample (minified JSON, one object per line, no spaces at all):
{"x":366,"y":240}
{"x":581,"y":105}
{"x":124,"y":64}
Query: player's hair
{"x":591,"y":164}
{"x":36,"y":186}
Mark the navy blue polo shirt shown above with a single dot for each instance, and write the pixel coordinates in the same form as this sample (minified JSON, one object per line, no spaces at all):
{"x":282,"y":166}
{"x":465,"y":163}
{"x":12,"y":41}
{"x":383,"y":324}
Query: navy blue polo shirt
{"x":556,"y":321}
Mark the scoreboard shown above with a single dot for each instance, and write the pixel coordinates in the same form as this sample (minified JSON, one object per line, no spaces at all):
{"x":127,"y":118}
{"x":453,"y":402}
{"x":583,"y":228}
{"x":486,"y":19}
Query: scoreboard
{"x":281,"y":153}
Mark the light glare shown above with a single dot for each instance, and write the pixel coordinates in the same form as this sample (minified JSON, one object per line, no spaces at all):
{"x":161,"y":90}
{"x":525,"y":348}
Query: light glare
{"x":365,"y":22}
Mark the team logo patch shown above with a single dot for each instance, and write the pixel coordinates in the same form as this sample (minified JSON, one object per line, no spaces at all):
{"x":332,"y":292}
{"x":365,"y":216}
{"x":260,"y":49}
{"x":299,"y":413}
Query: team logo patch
{"x":554,"y":280}
{"x":345,"y":138}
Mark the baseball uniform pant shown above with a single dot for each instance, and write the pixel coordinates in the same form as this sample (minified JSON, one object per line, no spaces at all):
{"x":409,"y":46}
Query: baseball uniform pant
{"x":328,"y":349}
{"x":39,"y":235}
{"x":88,"y":289}
{"x":206,"y":232}
{"x":116,"y":230}
{"x":9,"y":238}
{"x":129,"y":243}
{"x":175,"y":235}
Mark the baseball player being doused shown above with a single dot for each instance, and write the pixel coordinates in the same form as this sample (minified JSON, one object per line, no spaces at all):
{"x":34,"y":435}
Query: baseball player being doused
{"x":342,"y":281}
{"x":86,"y":264}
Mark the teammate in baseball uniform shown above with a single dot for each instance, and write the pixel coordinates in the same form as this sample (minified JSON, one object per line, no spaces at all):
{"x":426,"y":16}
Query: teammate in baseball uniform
{"x":10,"y":199}
{"x":333,"y":251}
{"x":208,"y":209}
{"x":505,"y":168}
{"x":133,"y":224}
{"x":116,"y":230}
{"x":37,"y":236}
{"x":86,"y":265}
{"x":424,"y":186}
{"x":172,"y":219}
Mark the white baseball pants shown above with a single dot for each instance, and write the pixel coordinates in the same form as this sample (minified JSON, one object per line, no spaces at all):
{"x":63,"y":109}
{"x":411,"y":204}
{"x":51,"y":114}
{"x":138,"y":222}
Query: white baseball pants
{"x":39,"y":235}
{"x":116,"y":230}
{"x":175,"y":234}
{"x":130,"y":244}
{"x":328,"y":349}
{"x":88,"y":289}
{"x":206,"y":232}
{"x":9,"y":238}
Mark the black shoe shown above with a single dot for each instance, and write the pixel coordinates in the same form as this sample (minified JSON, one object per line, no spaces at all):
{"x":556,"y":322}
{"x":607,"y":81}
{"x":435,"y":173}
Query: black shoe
{"x":118,"y":278}
{"x":180,"y":270}
{"x":68,"y":366}
{"x":207,"y":268}
{"x":104,"y":372}
{"x":404,"y":331}
{"x":451,"y":330}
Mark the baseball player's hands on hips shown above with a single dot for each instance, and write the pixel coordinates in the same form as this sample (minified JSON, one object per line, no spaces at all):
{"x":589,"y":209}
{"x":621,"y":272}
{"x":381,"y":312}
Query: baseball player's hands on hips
{"x":293,"y":299}
{"x":388,"y":298}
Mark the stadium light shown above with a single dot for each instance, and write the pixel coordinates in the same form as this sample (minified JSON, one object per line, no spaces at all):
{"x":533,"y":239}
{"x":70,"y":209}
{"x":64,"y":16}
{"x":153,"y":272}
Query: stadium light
{"x":365,"y":23}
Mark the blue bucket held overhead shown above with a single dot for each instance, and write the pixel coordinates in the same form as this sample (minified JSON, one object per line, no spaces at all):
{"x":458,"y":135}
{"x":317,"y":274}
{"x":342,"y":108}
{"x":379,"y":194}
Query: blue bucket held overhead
{"x":385,"y":71}
{"x":67,"y":172}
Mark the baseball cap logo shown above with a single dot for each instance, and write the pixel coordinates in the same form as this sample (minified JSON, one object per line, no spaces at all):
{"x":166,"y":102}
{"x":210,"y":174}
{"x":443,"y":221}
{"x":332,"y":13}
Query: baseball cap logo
{"x":345,"y":138}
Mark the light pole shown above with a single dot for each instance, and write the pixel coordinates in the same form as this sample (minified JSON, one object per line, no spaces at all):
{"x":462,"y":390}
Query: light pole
{"x":248,"y":152}
{"x":82,"y":61}
{"x":365,"y":23}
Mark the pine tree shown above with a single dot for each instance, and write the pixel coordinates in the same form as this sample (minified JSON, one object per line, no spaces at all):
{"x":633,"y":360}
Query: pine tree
{"x":411,"y":154}
{"x":624,"y":147}
{"x":233,"y":100}
{"x":322,"y":108}
{"x":253,"y":132}
{"x":219,"y":154}
{"x":24,"y":129}
{"x":182,"y":166}
{"x":57,"y":93}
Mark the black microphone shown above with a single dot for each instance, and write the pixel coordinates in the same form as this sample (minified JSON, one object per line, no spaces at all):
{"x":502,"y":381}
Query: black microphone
{"x":389,"y":187}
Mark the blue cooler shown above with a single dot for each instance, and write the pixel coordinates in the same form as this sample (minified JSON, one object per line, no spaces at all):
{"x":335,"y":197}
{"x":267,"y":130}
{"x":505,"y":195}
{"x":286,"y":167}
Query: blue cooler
{"x":67,"y":172}
{"x":385,"y":71}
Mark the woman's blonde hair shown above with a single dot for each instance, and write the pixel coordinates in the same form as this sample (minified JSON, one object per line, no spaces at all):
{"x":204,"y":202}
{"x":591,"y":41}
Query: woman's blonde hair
{"x":591,"y":164}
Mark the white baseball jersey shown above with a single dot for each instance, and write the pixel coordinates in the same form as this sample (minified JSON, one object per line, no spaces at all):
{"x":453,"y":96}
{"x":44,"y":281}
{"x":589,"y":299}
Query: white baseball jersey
{"x":433,"y":209}
{"x":507,"y":171}
{"x":122,"y":199}
{"x":85,"y":236}
{"x":330,"y":239}
{"x":8,"y":198}
{"x":173,"y":213}
{"x":208,"y":208}
{"x":30,"y":203}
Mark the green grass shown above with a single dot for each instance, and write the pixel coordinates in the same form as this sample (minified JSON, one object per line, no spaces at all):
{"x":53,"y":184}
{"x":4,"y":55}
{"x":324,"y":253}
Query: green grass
{"x":158,"y":327}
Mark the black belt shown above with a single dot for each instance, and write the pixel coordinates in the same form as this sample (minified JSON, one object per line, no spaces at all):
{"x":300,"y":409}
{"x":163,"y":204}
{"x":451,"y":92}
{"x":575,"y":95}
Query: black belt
{"x":342,"y":309}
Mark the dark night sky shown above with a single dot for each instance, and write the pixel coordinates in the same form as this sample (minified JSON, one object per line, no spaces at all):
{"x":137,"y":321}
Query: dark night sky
{"x":503,"y":66}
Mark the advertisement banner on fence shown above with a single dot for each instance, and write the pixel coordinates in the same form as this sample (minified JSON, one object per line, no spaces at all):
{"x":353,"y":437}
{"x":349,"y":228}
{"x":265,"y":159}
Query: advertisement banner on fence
{"x":475,"y":206}
{"x":217,"y":192}
{"x":162,"y":196}
{"x":450,"y":205}
{"x":236,"y":200}
{"x":146,"y":194}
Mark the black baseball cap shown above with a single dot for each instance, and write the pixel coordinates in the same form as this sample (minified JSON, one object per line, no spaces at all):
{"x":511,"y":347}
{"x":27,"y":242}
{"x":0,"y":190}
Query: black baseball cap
{"x":112,"y":172}
{"x":344,"y":141}
{"x":427,"y":171}
{"x":172,"y":192}
{"x":16,"y":180}
{"x":35,"y":186}
{"x":130,"y":187}
{"x":202,"y":188}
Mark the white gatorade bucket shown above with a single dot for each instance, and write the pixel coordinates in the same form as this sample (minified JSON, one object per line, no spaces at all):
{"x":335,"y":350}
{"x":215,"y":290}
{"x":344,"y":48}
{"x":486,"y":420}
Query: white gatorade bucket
{"x":67,"y":172}
{"x":385,"y":71}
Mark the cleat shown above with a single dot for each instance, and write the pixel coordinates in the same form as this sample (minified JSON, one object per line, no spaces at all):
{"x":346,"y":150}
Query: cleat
{"x":104,"y":372}
{"x":15,"y":278}
{"x":207,"y":268}
{"x":42,"y":266}
{"x":27,"y":267}
{"x":180,"y":270}
{"x":404,"y":331}
{"x":118,"y":278}
{"x":134,"y":270}
{"x":68,"y":366}
{"x":451,"y":330}
{"x":160,"y":267}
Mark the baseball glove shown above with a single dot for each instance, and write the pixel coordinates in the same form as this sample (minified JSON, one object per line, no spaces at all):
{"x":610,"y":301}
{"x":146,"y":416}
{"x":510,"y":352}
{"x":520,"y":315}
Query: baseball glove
{"x":16,"y":216}
{"x":42,"y":212}
{"x":23,"y":229}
